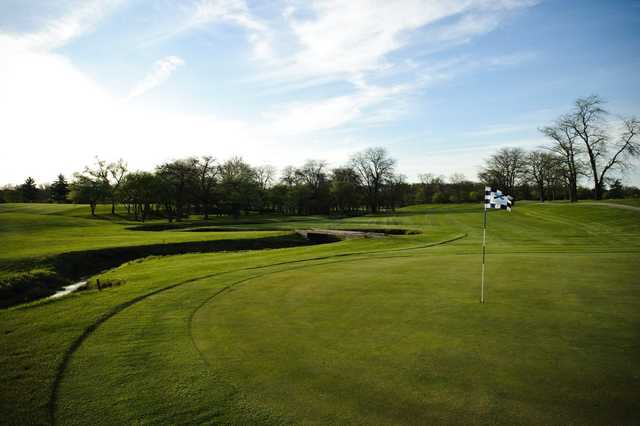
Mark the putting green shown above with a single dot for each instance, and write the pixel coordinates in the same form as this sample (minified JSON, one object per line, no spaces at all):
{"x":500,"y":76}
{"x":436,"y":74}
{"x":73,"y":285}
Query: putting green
{"x":391,"y":339}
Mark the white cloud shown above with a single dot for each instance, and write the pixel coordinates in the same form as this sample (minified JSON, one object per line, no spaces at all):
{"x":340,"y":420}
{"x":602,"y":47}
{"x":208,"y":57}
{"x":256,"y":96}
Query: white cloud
{"x":208,"y":12}
{"x":56,"y":119}
{"x":161,"y":72}
{"x":80,"y":18}
{"x":339,"y":39}
{"x":51,"y":110}
{"x":307,"y":117}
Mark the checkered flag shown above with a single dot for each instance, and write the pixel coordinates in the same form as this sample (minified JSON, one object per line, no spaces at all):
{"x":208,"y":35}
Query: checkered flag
{"x":495,"y":199}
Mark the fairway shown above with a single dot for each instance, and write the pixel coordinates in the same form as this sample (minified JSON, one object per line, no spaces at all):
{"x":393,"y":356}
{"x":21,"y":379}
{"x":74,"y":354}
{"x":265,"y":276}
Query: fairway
{"x":367,"y":331}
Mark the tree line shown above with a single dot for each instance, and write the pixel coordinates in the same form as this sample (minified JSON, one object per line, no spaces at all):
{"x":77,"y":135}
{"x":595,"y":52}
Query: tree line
{"x":580,"y":148}
{"x":582,"y":145}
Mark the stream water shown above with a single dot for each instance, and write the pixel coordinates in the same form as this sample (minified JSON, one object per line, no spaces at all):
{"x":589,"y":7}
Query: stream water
{"x":68,"y":289}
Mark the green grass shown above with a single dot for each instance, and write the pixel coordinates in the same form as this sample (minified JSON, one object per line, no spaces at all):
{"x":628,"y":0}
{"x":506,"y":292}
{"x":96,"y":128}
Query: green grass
{"x":376,"y":331}
{"x":635,"y":202}
{"x":54,"y":244}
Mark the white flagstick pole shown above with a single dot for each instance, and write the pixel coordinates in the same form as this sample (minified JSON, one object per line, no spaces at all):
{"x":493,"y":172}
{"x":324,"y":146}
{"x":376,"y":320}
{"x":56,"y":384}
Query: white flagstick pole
{"x":484,"y":242}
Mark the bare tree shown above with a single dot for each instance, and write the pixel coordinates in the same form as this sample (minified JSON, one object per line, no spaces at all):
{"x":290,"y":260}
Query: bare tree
{"x":431,"y":185}
{"x":588,"y":123}
{"x":375,"y":167}
{"x":117,"y":172}
{"x":92,"y":185}
{"x":540,"y":165}
{"x":504,"y":169}
{"x":206,"y":171}
{"x":100,"y":171}
{"x":624,"y":149}
{"x":288,"y":176}
{"x":396,"y":190}
{"x":564,"y":143}
{"x":265,"y":176}
{"x":457,"y":181}
{"x":312,"y":173}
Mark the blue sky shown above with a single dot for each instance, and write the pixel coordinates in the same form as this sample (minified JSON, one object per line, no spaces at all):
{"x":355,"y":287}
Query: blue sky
{"x":440,"y":84}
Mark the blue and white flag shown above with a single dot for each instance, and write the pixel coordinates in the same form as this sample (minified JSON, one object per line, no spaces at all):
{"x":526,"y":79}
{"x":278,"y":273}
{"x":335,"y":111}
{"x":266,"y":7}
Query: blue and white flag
{"x":495,"y":199}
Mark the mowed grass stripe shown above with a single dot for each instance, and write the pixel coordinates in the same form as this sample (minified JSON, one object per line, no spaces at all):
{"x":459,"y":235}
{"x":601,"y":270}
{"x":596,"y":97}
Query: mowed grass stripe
{"x":527,"y":334}
{"x":28,"y":363}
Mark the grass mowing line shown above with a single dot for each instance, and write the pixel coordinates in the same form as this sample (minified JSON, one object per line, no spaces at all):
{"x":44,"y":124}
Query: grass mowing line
{"x":86,"y":333}
{"x":437,"y":243}
{"x":247,"y":279}
{"x":614,"y":205}
{"x":586,"y":228}
{"x":75,"y":345}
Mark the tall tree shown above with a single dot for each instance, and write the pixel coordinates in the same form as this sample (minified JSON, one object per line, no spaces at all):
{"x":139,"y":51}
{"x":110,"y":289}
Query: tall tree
{"x":60,"y":189}
{"x":28,"y":190}
{"x":89,"y":189}
{"x":265,"y":176}
{"x":457,"y":181}
{"x":539,"y":167}
{"x":313,"y":189}
{"x":504,"y":168}
{"x":206,"y":176}
{"x":430,"y":184}
{"x":345,"y":190}
{"x":375,"y":167}
{"x":288,"y":176}
{"x":605,"y":154}
{"x":117,"y":172}
{"x":564,"y":143}
{"x":395,"y":191}
{"x":178,"y":179}
{"x":140,"y":190}
{"x":239,"y":185}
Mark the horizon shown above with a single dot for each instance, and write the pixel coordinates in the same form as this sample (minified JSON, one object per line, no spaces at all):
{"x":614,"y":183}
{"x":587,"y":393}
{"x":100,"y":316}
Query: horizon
{"x":440,"y":85}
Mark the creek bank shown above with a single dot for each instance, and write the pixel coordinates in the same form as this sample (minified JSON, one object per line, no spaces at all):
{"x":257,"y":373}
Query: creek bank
{"x":51,"y":275}
{"x":332,"y":235}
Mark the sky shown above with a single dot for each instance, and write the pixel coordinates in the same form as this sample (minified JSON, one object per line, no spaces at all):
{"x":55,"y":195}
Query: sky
{"x":439,"y":84}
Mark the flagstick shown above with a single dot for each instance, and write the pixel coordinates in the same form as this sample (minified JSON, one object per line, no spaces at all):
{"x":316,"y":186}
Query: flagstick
{"x":484,"y":242}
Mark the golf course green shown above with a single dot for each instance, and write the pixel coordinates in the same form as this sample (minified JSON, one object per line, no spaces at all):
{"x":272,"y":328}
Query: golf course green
{"x":385,"y":330}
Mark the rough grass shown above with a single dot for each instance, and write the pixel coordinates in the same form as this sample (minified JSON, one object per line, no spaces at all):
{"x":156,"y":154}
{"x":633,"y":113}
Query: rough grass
{"x":361,"y":331}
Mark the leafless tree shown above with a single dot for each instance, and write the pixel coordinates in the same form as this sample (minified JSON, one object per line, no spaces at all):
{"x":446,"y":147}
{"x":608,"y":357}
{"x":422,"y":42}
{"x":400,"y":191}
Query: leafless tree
{"x":604,"y":153}
{"x":312,"y":173}
{"x":288,"y":176}
{"x":117,"y":172}
{"x":504,"y":169}
{"x":457,"y":181}
{"x":375,"y":167}
{"x":540,"y":165}
{"x":564,"y":144}
{"x":431,"y":184}
{"x":265,"y":176}
{"x":206,"y":171}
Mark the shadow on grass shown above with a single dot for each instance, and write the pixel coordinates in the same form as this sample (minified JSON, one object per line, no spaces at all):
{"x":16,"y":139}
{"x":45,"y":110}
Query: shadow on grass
{"x":50,"y":274}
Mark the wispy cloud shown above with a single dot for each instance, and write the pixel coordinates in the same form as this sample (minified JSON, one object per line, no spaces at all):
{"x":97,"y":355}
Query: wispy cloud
{"x":203,"y":13}
{"x":372,"y":46}
{"x":160,"y":73}
{"x":337,"y":39}
{"x":80,"y":17}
